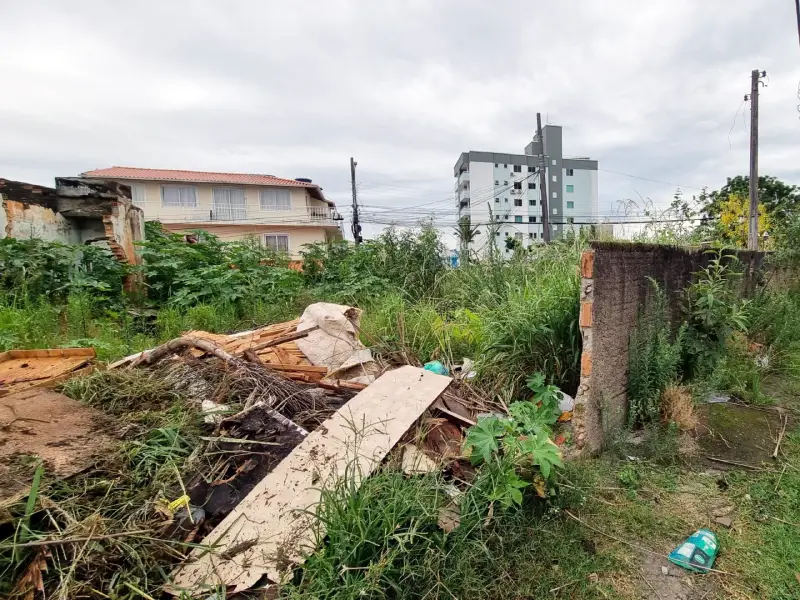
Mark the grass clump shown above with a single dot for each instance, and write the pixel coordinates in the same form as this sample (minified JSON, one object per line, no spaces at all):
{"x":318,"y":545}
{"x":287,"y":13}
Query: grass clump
{"x":654,"y":358}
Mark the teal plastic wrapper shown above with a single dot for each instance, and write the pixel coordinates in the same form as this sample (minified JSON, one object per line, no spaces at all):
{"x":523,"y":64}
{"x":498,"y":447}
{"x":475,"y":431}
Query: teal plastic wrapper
{"x":697,"y":553}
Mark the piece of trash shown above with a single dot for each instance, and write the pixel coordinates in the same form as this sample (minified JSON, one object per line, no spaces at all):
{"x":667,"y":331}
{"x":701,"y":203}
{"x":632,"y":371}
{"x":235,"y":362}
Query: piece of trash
{"x":176,"y":504}
{"x":415,"y":462}
{"x":593,"y":578}
{"x":697,"y":553}
{"x":565,"y":416}
{"x":724,"y":521}
{"x":213,"y":413}
{"x":449,"y":517}
{"x":665,"y":570}
{"x":634,"y":458}
{"x":567,"y":403}
{"x":717,"y":398}
{"x":436,"y":367}
{"x":466,"y":370}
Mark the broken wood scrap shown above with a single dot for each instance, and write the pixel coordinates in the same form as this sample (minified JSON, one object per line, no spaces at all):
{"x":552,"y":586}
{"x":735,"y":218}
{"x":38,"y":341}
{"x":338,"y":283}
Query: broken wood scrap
{"x":179,"y":344}
{"x":338,"y":385}
{"x":275,"y":512}
{"x":286,"y":338}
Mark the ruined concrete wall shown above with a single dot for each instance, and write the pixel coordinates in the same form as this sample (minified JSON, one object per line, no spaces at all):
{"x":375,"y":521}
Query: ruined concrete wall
{"x":614,"y":284}
{"x":24,"y":221}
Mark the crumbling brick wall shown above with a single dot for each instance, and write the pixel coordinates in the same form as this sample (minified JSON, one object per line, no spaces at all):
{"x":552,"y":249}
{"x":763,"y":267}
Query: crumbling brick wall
{"x":614,"y":285}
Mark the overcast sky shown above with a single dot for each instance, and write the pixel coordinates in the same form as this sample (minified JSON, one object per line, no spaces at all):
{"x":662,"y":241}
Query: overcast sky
{"x":295,"y":88}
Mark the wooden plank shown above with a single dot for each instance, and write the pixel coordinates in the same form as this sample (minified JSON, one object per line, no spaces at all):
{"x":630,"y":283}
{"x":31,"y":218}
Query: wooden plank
{"x":48,"y":353}
{"x":272,"y":524}
{"x":298,"y":368}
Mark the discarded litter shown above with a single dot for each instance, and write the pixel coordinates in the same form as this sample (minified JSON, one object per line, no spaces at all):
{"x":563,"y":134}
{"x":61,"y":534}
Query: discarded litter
{"x":698,"y":552}
{"x":436,"y":367}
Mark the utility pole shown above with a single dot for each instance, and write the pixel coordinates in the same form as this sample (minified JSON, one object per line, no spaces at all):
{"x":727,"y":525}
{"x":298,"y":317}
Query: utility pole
{"x":543,"y":181}
{"x":356,"y":224}
{"x":752,"y":230}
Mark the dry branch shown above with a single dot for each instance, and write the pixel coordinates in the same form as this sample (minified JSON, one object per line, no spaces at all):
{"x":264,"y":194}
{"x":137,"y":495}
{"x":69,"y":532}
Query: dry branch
{"x":178,"y":345}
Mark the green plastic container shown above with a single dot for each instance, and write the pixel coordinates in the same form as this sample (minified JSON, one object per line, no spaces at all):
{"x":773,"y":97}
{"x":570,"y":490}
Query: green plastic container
{"x":698,"y":552}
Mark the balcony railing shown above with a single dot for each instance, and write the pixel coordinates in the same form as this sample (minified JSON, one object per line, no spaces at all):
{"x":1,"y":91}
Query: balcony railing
{"x":241,"y":215}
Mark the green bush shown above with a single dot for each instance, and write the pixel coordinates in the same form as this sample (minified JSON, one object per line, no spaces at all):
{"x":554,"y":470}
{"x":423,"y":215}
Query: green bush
{"x":654,"y":355}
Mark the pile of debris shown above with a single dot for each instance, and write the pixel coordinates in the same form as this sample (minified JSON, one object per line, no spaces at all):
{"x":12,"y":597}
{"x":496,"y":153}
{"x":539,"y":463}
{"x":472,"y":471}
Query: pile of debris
{"x":288,"y":409}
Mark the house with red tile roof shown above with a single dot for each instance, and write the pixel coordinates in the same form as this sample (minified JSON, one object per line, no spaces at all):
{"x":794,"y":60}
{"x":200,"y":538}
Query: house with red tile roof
{"x":282,"y":214}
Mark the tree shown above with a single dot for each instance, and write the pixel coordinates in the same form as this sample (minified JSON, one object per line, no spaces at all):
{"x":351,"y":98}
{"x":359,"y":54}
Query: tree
{"x":734,"y":224}
{"x":779,"y":199}
{"x":466,"y":234}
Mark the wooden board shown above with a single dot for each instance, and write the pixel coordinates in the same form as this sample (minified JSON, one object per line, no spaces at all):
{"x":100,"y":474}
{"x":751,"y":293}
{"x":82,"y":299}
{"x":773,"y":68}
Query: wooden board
{"x":271,"y":525}
{"x":66,"y":435}
{"x":21,"y":369}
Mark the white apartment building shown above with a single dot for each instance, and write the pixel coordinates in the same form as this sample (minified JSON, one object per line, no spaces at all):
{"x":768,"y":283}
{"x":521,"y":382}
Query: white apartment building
{"x":505,"y":188}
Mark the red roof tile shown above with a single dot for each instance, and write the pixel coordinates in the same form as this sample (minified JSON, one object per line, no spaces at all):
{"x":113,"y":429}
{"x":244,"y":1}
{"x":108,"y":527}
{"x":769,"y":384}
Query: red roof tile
{"x":201,"y":177}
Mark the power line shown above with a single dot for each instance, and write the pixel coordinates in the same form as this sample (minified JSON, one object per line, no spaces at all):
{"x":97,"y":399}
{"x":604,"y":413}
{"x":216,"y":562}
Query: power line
{"x":652,"y":180}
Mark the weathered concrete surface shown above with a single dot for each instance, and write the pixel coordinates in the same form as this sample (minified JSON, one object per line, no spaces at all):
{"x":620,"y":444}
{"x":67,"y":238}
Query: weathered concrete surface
{"x":24,"y":221}
{"x":615,"y":282}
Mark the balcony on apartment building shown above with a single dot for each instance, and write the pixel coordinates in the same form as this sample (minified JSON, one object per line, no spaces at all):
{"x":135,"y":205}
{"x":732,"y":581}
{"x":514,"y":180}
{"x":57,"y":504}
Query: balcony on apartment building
{"x":308,"y":215}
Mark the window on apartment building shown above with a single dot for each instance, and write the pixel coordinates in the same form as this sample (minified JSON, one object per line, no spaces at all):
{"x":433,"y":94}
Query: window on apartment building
{"x":517,"y":168}
{"x":534,"y":235}
{"x":570,"y":172}
{"x":228,"y":204}
{"x":517,"y":201}
{"x":495,"y":165}
{"x":555,"y":211}
{"x":505,"y":183}
{"x":570,"y":188}
{"x":570,"y":220}
{"x":570,"y":204}
{"x":518,"y":219}
{"x":178,"y":195}
{"x":554,"y":162}
{"x":555,"y":178}
{"x":532,"y":202}
{"x":506,"y":234}
{"x":517,"y":185}
{"x":555,"y":194}
{"x":496,"y":182}
{"x":532,"y":186}
{"x":531,"y":219}
{"x":276,"y":241}
{"x":497,"y":217}
{"x":138,"y":195}
{"x":530,"y":235}
{"x":555,"y":227}
{"x":505,"y":200}
{"x":505,"y":166}
{"x":497,"y":234}
{"x":276,"y":200}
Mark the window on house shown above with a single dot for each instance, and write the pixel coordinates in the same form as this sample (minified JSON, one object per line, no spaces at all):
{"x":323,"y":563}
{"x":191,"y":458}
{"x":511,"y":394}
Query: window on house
{"x":497,"y":234}
{"x":531,"y":186}
{"x":570,"y":172}
{"x":495,"y":165}
{"x":517,"y":185}
{"x":506,"y":234}
{"x":276,"y":200}
{"x":505,"y":217}
{"x":228,"y":204}
{"x":505,"y":166}
{"x":518,"y":219}
{"x":555,"y":178}
{"x":570,"y":204}
{"x":517,"y":168}
{"x":138,"y":195}
{"x":277,"y":242}
{"x":570,"y":188}
{"x":497,"y":199}
{"x":497,"y":217}
{"x":517,"y":201}
{"x":177,"y":195}
{"x":532,"y":202}
{"x":531,"y":219}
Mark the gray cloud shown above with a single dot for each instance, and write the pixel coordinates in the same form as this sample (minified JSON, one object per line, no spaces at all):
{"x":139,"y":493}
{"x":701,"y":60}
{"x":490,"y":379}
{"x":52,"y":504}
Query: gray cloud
{"x":296,"y":88}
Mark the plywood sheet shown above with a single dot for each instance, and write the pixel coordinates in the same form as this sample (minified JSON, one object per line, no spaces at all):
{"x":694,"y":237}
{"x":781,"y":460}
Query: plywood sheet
{"x":42,"y":424}
{"x":269,"y":532}
{"x":20,"y":369}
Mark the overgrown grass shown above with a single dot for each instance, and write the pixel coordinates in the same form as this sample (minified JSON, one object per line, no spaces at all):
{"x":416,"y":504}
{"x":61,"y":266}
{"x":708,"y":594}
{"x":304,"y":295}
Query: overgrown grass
{"x":114,"y":505}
